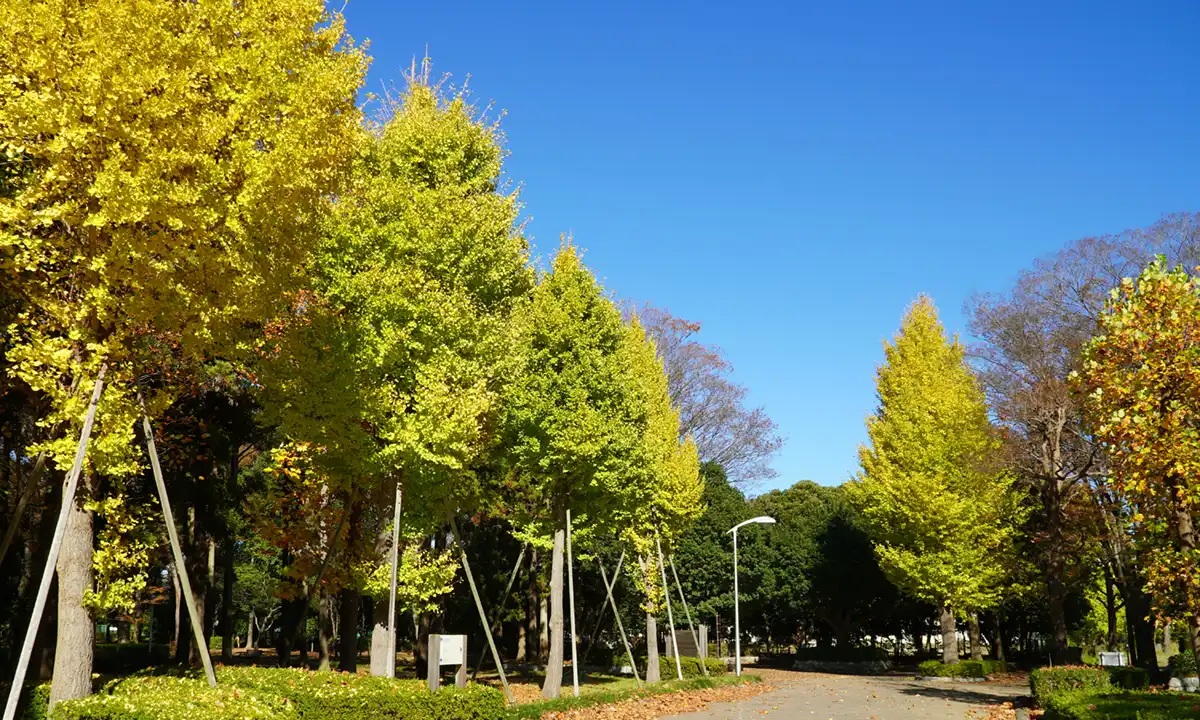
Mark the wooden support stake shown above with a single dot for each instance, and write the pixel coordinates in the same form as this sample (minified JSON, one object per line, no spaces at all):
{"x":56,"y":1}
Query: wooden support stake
{"x":176,"y":550}
{"x":617,"y":614}
{"x":68,"y":499}
{"x":670,"y":618}
{"x":571,"y":602}
{"x":702,"y":652}
{"x":600,"y":616}
{"x":391,"y":642}
{"x":500,"y":610}
{"x":462,"y":551}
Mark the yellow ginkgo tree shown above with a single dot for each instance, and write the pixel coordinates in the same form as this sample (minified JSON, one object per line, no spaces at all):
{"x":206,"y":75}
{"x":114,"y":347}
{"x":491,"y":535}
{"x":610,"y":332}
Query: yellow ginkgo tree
{"x":930,"y":496}
{"x":665,"y":488}
{"x":165,"y":166}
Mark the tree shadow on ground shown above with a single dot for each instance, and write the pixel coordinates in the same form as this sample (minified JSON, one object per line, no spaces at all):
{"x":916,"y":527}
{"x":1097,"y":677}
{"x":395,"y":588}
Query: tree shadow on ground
{"x":955,"y":692}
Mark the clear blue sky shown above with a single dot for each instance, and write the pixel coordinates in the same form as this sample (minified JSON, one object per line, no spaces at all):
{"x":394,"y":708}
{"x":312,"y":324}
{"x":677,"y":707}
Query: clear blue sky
{"x":792,"y":174}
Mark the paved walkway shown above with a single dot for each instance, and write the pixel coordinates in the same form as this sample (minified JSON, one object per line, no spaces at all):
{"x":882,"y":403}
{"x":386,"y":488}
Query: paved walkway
{"x":811,"y":696}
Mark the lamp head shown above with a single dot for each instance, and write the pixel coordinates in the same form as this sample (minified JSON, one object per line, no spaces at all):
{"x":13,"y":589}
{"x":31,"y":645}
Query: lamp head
{"x":761,"y":520}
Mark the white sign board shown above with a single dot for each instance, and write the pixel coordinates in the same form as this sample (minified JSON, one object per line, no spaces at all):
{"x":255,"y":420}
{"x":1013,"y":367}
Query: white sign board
{"x":451,"y":652}
{"x":1113,"y":658}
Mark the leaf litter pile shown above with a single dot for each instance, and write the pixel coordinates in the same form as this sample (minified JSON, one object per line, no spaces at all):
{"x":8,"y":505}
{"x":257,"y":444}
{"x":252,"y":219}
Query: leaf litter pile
{"x":655,"y":706}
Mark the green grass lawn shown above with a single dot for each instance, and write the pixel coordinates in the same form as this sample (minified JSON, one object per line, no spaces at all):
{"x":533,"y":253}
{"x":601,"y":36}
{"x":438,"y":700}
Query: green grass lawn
{"x":1124,"y":706}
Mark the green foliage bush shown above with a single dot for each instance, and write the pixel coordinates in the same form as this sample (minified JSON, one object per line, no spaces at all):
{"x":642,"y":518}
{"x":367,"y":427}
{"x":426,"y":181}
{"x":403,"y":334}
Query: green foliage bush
{"x":841,"y":654}
{"x":34,"y":702}
{"x":119,"y":658}
{"x":961,"y":669}
{"x":1046,"y":683}
{"x":691,"y":667}
{"x":280,"y":694}
{"x":1183,"y":665}
{"x":1129,"y":678}
{"x":339,"y":696}
{"x":174,"y":698}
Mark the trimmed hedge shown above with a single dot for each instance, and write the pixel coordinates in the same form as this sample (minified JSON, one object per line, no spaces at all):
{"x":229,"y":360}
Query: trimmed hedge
{"x":841,"y":654}
{"x":689,"y":665}
{"x":1183,"y":665}
{"x":1129,"y":678}
{"x":174,"y":698}
{"x":1046,"y":683}
{"x":34,"y":702}
{"x":961,"y":669}
{"x":280,"y":694}
{"x":340,"y":696}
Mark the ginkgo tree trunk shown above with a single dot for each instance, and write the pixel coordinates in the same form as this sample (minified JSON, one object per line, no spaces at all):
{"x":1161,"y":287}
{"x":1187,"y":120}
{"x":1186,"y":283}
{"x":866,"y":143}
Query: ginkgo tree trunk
{"x":929,"y":492}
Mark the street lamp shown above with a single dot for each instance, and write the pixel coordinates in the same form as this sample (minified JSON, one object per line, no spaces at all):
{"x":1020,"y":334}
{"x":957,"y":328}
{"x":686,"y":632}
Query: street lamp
{"x":737,"y":622}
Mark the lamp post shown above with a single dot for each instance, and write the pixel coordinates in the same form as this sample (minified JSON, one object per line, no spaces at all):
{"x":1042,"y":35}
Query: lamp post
{"x":737,"y":620}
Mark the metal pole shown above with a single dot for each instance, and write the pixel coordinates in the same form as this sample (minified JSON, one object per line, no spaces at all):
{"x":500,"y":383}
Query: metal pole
{"x":500,"y":609}
{"x":703,"y":653}
{"x":176,"y":550}
{"x":68,"y":499}
{"x":670,"y":618}
{"x":737,"y":618}
{"x":391,"y":643}
{"x":617,"y":614}
{"x":487,"y":630}
{"x":571,"y":602}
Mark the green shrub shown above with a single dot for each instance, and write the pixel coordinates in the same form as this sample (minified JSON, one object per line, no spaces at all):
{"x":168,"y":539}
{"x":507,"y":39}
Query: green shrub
{"x":1129,"y":678}
{"x":121,"y":658}
{"x":34,"y":702}
{"x":1045,"y":683}
{"x":962,"y":669}
{"x":280,"y":694}
{"x":340,"y":696}
{"x":1183,"y":665}
{"x":174,"y":698}
{"x":691,"y":666}
{"x":841,"y":654}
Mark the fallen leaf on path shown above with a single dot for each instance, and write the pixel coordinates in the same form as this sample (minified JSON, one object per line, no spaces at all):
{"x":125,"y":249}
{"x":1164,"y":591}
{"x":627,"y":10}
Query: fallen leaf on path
{"x":656,"y":706}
